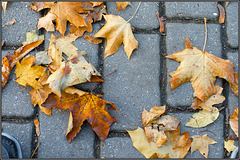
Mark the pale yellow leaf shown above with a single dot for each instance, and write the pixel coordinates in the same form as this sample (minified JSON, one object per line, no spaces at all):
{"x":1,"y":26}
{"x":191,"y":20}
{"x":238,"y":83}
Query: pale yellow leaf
{"x":4,"y":6}
{"x":203,"y":118}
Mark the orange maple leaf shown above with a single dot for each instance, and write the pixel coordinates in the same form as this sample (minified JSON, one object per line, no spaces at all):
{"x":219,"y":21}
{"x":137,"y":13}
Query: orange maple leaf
{"x":83,"y":106}
{"x":117,"y":31}
{"x":201,"y":69}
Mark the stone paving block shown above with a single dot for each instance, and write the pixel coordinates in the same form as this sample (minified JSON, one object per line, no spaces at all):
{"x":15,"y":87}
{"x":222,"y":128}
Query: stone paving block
{"x":146,"y":13}
{"x":23,"y":133}
{"x":119,"y":147}
{"x":16,"y":100}
{"x":192,"y":9}
{"x":82,"y":45}
{"x":232,"y":23}
{"x":135,"y":84}
{"x":53,"y":142}
{"x":217,"y":127}
{"x":26,"y":20}
{"x":183,"y":95}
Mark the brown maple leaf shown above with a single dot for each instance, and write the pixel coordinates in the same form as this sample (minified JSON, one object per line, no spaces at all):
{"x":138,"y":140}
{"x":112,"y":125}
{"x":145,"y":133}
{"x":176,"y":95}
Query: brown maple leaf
{"x":83,"y":106}
{"x":201,"y":143}
{"x":63,"y":11}
{"x":201,"y":69}
{"x":117,"y":31}
{"x":92,"y":40}
{"x":9,"y":61}
{"x":27,"y":73}
{"x":234,"y":121}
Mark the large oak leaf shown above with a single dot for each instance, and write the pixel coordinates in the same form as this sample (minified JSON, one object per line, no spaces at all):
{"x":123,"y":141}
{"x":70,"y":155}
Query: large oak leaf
{"x":117,"y":31}
{"x":83,"y":106}
{"x":234,"y":121}
{"x":201,"y":69}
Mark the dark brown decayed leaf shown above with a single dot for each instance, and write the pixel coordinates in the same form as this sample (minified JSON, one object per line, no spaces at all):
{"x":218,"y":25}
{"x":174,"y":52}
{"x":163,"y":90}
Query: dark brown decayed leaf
{"x":83,"y":106}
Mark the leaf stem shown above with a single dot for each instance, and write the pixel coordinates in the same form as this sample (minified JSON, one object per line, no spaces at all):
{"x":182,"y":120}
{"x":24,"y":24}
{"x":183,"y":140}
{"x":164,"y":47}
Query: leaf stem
{"x":205,"y":22}
{"x":101,"y":79}
{"x":135,"y":11}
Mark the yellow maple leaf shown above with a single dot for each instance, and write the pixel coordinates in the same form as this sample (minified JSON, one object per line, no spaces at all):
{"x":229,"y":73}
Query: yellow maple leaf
{"x":117,"y":31}
{"x":229,"y":145}
{"x":26,"y":73}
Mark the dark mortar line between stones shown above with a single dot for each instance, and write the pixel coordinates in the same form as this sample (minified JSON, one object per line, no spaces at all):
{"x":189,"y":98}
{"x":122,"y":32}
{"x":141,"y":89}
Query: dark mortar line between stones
{"x":100,"y":68}
{"x":163,"y":52}
{"x":190,"y":20}
{"x":225,"y":49}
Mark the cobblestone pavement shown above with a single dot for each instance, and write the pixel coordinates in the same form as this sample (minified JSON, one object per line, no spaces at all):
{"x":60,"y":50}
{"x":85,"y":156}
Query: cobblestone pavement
{"x":139,"y":82}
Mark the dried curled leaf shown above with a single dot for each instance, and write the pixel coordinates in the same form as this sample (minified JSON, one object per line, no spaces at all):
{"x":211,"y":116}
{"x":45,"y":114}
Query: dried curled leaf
{"x":229,"y":145}
{"x":161,"y":23}
{"x":203,"y":118}
{"x":201,"y":69}
{"x":152,"y":115}
{"x":92,"y":40}
{"x":76,"y":70}
{"x":155,"y":131}
{"x":117,"y":31}
{"x":83,"y":106}
{"x":9,"y":23}
{"x":37,"y":129}
{"x":216,"y":98}
{"x":121,"y":5}
{"x":234,"y":85}
{"x":9,"y":61}
{"x":201,"y":143}
{"x":234,"y":121}
{"x":222,"y":14}
{"x":26,"y":73}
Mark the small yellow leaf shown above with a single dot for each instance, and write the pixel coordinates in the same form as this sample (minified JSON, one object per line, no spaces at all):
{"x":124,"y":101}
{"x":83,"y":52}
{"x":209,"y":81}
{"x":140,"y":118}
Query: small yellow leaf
{"x":203,"y":118}
{"x":121,"y":5}
{"x":229,"y":145}
{"x":27,"y":74}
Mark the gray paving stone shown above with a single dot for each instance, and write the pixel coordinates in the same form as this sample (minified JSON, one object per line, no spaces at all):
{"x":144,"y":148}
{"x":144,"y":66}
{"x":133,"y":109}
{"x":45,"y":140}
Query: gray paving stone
{"x":26,"y":20}
{"x":193,"y":9}
{"x":183,"y":95}
{"x":232,"y":23}
{"x":136,"y":82}
{"x":16,"y":100}
{"x":119,"y":147}
{"x":146,"y":13}
{"x":53,"y":140}
{"x":23,"y":133}
{"x":217,"y":127}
